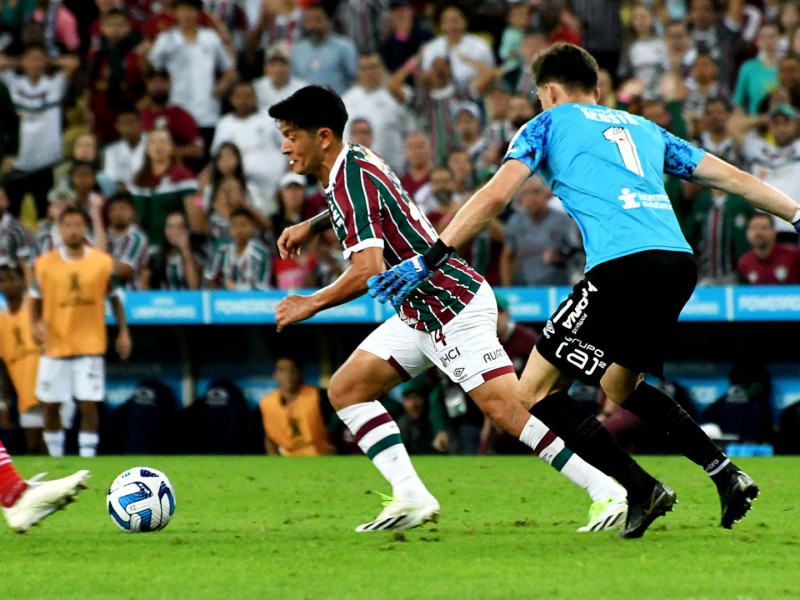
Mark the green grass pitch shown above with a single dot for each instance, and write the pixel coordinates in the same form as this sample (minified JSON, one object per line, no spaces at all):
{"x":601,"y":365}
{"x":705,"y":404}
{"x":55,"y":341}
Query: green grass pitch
{"x":264,"y":528}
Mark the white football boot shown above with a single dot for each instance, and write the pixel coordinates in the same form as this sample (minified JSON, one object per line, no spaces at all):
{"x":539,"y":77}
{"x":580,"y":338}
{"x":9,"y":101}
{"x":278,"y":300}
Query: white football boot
{"x":606,"y":514}
{"x":43,"y":498}
{"x":403,"y":513}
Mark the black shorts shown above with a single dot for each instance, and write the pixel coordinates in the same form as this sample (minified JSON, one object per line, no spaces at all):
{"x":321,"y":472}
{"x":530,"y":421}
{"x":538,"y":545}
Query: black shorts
{"x":623,"y":312}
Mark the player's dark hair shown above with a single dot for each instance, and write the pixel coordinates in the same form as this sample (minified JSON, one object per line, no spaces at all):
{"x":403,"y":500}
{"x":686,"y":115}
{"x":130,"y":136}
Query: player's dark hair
{"x":311,"y":108}
{"x":566,"y":64}
{"x":290,"y":356}
{"x":459,"y":5}
{"x":73,"y":210}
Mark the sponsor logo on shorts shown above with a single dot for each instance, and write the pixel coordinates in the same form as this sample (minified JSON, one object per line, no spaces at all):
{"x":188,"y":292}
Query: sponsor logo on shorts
{"x":449,"y":356}
{"x":549,"y":329}
{"x":586,"y":357}
{"x":459,"y":372}
{"x":494,"y":355}
{"x":576,"y":318}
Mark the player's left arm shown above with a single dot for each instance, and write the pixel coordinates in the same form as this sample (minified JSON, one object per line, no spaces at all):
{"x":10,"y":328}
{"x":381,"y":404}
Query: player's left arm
{"x":350,"y":284}
{"x":124,"y":344}
{"x":716,"y":173}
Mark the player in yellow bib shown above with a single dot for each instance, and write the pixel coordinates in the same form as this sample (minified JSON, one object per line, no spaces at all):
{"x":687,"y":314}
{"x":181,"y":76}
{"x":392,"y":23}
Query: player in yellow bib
{"x":71,"y":284}
{"x":20,"y":354}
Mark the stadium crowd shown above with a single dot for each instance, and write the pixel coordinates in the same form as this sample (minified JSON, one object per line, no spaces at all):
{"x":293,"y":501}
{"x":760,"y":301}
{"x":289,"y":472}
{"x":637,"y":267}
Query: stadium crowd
{"x":151,"y":117}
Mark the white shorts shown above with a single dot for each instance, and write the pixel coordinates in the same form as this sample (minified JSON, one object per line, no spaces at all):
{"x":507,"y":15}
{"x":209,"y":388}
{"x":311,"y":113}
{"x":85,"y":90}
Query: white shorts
{"x":62,"y":379}
{"x":466,"y":348}
{"x":33,"y":418}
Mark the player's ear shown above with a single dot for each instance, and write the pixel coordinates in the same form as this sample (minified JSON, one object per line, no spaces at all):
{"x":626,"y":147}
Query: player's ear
{"x":597,"y":94}
{"x":326,"y":137}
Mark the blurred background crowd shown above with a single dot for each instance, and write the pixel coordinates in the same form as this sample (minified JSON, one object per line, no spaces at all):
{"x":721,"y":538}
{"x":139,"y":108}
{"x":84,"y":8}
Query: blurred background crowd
{"x":151,"y":116}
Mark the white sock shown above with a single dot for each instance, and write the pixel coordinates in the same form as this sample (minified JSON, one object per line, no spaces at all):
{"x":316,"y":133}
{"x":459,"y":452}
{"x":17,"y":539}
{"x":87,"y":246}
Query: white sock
{"x":54,"y":440}
{"x":87,"y":443}
{"x":551,"y":449}
{"x":379,"y":438}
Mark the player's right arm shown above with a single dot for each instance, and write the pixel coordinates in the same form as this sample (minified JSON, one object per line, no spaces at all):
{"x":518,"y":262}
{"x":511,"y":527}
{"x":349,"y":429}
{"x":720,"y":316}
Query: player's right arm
{"x":716,"y":173}
{"x":292,"y":239}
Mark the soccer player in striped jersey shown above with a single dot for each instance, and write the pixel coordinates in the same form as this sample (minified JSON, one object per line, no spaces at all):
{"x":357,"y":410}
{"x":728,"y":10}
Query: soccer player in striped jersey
{"x":607,"y":167}
{"x":16,"y":242}
{"x":450,"y":321}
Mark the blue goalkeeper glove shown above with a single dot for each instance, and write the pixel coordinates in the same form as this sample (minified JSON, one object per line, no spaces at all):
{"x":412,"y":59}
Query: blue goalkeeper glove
{"x":399,"y":281}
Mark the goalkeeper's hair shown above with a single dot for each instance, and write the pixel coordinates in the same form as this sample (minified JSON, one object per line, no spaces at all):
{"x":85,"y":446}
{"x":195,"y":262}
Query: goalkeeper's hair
{"x":568,"y":65}
{"x":311,"y":108}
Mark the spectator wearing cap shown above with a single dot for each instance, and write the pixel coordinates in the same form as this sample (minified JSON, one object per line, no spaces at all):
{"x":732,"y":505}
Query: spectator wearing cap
{"x":536,"y":237}
{"x":323,"y":57}
{"x":768,"y":262}
{"x":114,"y":74}
{"x":253,"y":131}
{"x":297,"y":271}
{"x":462,"y":49}
{"x":467,"y":121}
{"x":774,"y":162}
{"x":16,"y":242}
{"x":759,"y":75}
{"x":370,"y":99}
{"x":127,"y":242}
{"x":193,"y":56}
{"x":404,"y":35}
{"x":123,"y":158}
{"x":159,"y":112}
{"x":277,"y":83}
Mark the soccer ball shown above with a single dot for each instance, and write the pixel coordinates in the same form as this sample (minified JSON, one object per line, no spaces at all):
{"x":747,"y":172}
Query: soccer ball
{"x":140,"y":500}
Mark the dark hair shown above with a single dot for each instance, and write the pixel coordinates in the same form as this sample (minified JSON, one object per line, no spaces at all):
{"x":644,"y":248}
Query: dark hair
{"x":566,"y":64}
{"x":115,"y":12}
{"x":312,"y":108}
{"x":217,"y":176}
{"x":120,"y":196}
{"x":127,"y":108}
{"x":73,"y":210}
{"x":152,"y":73}
{"x":459,"y":5}
{"x":13,"y":267}
{"x":292,"y":357}
{"x":32,"y":47}
{"x":82,"y":164}
{"x":720,"y":100}
{"x":241,"y":211}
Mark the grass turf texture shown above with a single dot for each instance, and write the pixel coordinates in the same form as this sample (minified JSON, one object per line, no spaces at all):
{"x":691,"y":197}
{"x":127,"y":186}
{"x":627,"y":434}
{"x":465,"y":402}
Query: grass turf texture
{"x":257,"y":527}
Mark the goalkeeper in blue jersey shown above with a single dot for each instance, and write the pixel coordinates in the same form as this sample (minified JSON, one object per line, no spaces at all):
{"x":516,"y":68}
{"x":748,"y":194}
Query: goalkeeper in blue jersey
{"x":607,"y":167}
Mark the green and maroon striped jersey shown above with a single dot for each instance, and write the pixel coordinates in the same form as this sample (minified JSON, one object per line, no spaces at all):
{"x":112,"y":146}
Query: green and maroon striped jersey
{"x":370,"y":209}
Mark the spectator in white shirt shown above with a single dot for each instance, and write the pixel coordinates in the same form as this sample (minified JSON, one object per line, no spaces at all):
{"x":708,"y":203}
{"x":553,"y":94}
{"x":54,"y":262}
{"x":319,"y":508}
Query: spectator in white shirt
{"x":277,"y":82}
{"x":123,"y":159}
{"x":455,"y":44}
{"x":193,"y":55}
{"x":371,"y":99}
{"x":37,"y":97}
{"x":254,"y":133}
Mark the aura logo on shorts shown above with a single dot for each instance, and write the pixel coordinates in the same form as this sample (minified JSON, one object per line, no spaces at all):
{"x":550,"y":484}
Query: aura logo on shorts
{"x":493,"y":355}
{"x":586,"y":357}
{"x":449,"y":356}
{"x":577,"y":316}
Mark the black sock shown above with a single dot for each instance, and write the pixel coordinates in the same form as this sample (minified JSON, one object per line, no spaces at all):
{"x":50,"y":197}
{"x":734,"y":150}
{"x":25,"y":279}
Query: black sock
{"x":663,"y":414}
{"x":586,"y":437}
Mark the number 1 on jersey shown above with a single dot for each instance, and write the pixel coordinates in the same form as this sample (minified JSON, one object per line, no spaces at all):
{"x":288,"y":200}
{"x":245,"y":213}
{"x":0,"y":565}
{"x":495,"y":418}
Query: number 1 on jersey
{"x":627,"y":149}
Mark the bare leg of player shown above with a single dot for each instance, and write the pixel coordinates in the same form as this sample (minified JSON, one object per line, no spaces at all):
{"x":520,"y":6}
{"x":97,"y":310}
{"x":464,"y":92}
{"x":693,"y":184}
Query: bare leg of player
{"x":352,"y":392}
